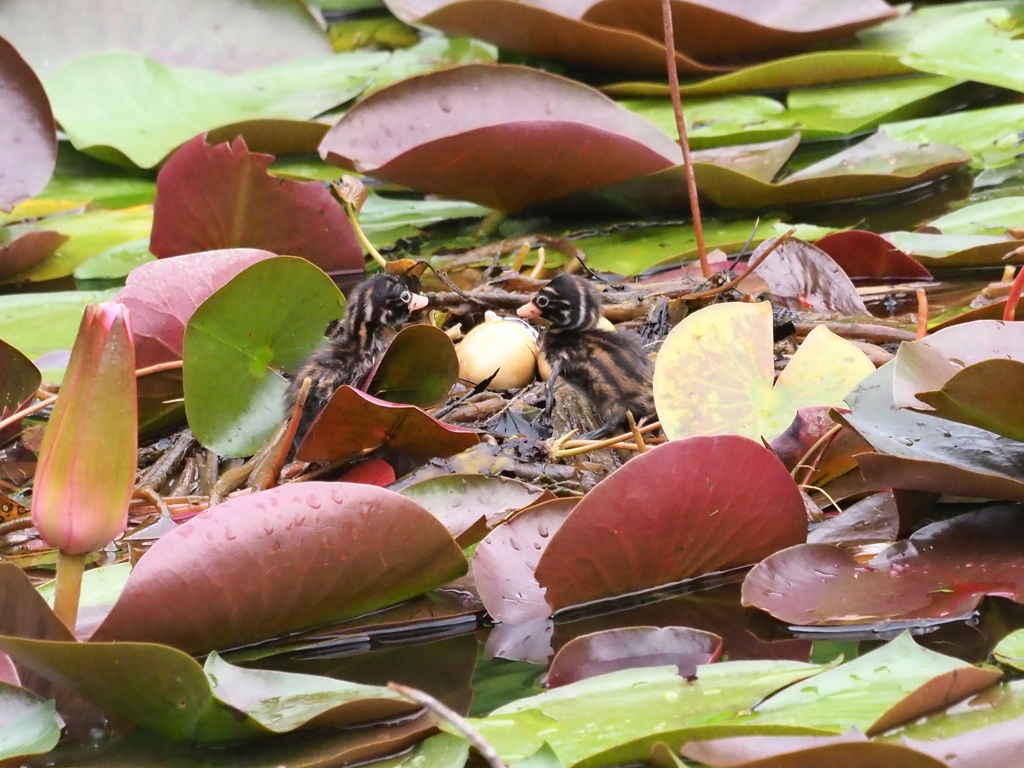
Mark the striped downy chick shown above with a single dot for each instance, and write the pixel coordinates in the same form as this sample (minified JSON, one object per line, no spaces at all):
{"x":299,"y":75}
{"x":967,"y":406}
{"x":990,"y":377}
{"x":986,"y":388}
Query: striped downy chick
{"x":351,"y":351}
{"x":610,"y":368}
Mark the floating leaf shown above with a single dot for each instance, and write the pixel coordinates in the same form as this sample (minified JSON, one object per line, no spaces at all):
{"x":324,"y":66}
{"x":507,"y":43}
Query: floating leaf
{"x":354,"y":424}
{"x":505,"y":562}
{"x":676,"y":512}
{"x":991,"y":217}
{"x":241,"y":571}
{"x":84,"y":236}
{"x":28,"y":136}
{"x":985,"y":395}
{"x":918,"y":451}
{"x":806,"y":278}
{"x":957,"y":250}
{"x":1010,"y":650}
{"x":234,"y":393}
{"x":461,"y":502}
{"x":584,"y":724}
{"x":28,"y":725}
{"x":169,"y":693}
{"x":442,"y":133}
{"x":193,"y":34}
{"x":631,"y":647}
{"x":419,"y":367}
{"x":863,"y":254}
{"x":199,"y":207}
{"x":941,"y":572}
{"x":989,"y":135}
{"x":19,"y":380}
{"x":715,"y":371}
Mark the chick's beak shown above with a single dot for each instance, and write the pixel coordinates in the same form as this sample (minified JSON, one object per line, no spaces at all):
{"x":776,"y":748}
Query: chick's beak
{"x":528,"y":310}
{"x":418,"y":301}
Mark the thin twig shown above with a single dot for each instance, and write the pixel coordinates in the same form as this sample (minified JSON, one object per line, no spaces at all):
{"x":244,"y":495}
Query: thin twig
{"x":168,"y":366}
{"x":638,"y":436}
{"x":455,"y":720}
{"x":815,"y":450}
{"x":684,"y":142}
{"x":147,"y":493}
{"x":16,"y":417}
{"x":595,"y":445}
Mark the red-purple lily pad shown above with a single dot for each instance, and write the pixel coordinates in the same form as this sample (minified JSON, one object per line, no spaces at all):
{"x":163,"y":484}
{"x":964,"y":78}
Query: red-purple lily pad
{"x":629,"y":647}
{"x":804,"y":277}
{"x":28,"y":135}
{"x":280,"y":561}
{"x":684,"y":509}
{"x":19,"y":380}
{"x":810,"y":425}
{"x":941,"y":572}
{"x":867,"y":255}
{"x":419,"y":367}
{"x":225,"y":35}
{"x":875,"y":518}
{"x":501,"y":135}
{"x":221,"y":196}
{"x":22,"y":247}
{"x":354,"y":423}
{"x":505,"y":562}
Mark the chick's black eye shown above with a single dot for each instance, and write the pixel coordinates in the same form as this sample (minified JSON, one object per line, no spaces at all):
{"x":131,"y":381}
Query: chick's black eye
{"x":406,"y":297}
{"x":542,"y":301}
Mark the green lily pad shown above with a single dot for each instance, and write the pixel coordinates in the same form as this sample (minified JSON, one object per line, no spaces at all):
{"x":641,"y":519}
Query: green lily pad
{"x":715,"y":372}
{"x":584,"y":722}
{"x":998,"y":704}
{"x":81,"y":179}
{"x":881,"y":689}
{"x":234,"y":395}
{"x":991,"y":217}
{"x":89,"y":234}
{"x":39,"y":323}
{"x":122,"y":106}
{"x":100,"y":586}
{"x":980,"y":44}
{"x":419,"y":367}
{"x":116,"y":262}
{"x":990,"y":136}
{"x":956,"y":250}
{"x":166,"y":691}
{"x":1010,"y":650}
{"x":28,"y":725}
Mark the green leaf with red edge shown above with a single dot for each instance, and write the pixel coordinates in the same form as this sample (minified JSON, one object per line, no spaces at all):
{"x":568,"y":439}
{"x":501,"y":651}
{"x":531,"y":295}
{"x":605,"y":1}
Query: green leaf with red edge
{"x":463,"y":133}
{"x":267,"y":318}
{"x":240,"y":572}
{"x":941,"y":572}
{"x":918,"y":451}
{"x":715,"y":371}
{"x":681,"y":510}
{"x":28,"y":135}
{"x":863,"y":254}
{"x":166,"y":691}
{"x":355,"y":423}
{"x":199,"y":207}
{"x":631,"y":647}
{"x":985,"y":395}
{"x":419,"y":367}
{"x":50,"y":33}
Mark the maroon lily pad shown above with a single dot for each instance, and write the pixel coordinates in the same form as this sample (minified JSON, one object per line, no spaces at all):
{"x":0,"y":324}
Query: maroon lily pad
{"x":28,"y":135}
{"x":225,"y":35}
{"x":867,"y":255}
{"x":875,"y":518}
{"x":928,"y":363}
{"x":850,"y":750}
{"x":354,"y":423}
{"x":918,"y":451}
{"x":630,"y":647}
{"x":806,"y":278}
{"x":19,"y":379}
{"x":221,"y":196}
{"x":501,"y":135}
{"x":684,"y":509}
{"x":471,"y":503}
{"x":810,"y":425}
{"x":162,"y":295}
{"x":22,"y":247}
{"x":941,"y":572}
{"x":281,"y":561}
{"x":985,"y":395}
{"x":372,"y":472}
{"x":419,"y":367}
{"x":505,"y":562}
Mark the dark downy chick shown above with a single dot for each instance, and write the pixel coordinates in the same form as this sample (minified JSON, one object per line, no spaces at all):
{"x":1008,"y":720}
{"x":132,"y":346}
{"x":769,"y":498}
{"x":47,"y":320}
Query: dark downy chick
{"x":382,"y":302}
{"x":610,"y":369}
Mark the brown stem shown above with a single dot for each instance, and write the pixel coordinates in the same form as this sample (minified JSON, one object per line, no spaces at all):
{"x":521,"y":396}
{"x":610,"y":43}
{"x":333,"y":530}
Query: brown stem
{"x":638,"y":436}
{"x":68,"y":588}
{"x":922,"y":312}
{"x":815,"y":450}
{"x":684,"y":142}
{"x":455,"y":720}
{"x":266,"y":473}
{"x":1010,"y":310}
{"x":171,"y":365}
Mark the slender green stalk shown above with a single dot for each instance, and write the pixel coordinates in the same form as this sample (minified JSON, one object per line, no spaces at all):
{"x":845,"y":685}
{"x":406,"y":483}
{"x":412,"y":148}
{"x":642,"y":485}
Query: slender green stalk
{"x":69,"y":587}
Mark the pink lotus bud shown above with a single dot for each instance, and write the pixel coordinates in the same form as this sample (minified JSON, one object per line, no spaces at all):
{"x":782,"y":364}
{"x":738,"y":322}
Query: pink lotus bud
{"x":86,"y":471}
